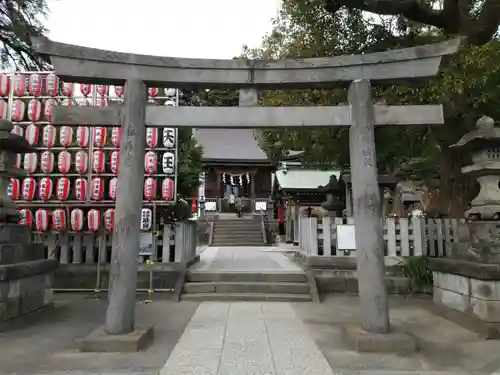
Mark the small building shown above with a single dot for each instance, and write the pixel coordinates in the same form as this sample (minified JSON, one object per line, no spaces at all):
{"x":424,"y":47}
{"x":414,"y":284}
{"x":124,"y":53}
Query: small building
{"x":233,"y":163}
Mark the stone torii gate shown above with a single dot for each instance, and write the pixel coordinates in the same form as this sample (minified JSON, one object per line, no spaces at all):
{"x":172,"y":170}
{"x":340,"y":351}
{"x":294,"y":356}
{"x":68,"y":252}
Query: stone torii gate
{"x":137,"y":72}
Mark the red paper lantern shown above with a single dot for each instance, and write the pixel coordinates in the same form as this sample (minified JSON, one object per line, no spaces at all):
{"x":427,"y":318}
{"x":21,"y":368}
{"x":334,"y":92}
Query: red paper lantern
{"x":28,"y":189}
{"x":30,"y":162}
{"x":26,"y":217}
{"x":99,"y":136}
{"x":151,"y":137}
{"x":167,"y":189}
{"x":153,"y":91}
{"x":18,"y":109}
{"x":98,"y":161}
{"x":35,"y":84}
{"x":113,"y":188}
{"x":67,"y":88}
{"x":17,"y":130}
{"x":80,"y":189}
{"x":49,"y":136}
{"x":45,"y":189}
{"x":4,"y":108}
{"x":13,"y":189}
{"x":115,"y":136}
{"x":119,"y":91}
{"x":31,"y":134}
{"x":48,"y":109}
{"x":114,"y":161}
{"x":64,"y":162}
{"x":62,"y":189}
{"x":96,"y":188}
{"x":42,"y":220}
{"x":102,"y":90}
{"x":81,"y":161}
{"x":150,"y":162}
{"x":149,"y":189}
{"x":76,"y":220}
{"x":66,"y":136}
{"x":4,"y":84}
{"x":47,"y":162}
{"x":85,"y":89}
{"x":93,"y":220}
{"x":58,"y":220}
{"x":109,"y":220}
{"x":19,"y":85}
{"x":52,"y":84}
{"x":82,"y":136}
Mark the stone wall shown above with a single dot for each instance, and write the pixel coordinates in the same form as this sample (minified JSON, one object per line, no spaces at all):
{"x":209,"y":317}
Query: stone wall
{"x":478,"y":298}
{"x":25,"y":287}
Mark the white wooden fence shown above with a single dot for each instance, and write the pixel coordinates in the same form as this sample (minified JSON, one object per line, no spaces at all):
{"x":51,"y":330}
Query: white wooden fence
{"x":402,"y":236}
{"x":177,"y":243}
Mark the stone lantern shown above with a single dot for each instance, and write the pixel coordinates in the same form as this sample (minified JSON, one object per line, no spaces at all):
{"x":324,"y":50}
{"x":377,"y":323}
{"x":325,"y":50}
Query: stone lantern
{"x":25,"y":274}
{"x":334,"y":204}
{"x":466,"y":281}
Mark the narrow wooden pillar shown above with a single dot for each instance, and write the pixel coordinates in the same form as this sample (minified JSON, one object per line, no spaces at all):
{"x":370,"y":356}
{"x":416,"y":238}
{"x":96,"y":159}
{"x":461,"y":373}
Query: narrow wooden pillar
{"x":120,"y":315}
{"x":366,"y":206}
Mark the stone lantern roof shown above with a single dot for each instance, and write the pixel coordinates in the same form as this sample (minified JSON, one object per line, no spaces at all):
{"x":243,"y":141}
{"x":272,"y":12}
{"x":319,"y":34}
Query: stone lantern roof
{"x":485,"y":134}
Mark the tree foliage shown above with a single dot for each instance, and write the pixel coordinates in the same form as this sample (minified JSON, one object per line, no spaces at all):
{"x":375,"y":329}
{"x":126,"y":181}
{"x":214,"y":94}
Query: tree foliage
{"x":467,"y":87}
{"x":478,"y":20}
{"x":18,"y":22}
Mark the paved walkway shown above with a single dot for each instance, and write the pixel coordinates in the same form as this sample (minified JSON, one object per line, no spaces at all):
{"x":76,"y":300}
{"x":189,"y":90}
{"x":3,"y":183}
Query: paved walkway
{"x":246,"y":338}
{"x":214,"y":259}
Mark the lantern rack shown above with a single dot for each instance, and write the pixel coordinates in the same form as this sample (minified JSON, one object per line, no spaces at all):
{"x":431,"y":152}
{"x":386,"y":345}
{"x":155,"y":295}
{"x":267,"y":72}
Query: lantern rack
{"x":67,"y":94}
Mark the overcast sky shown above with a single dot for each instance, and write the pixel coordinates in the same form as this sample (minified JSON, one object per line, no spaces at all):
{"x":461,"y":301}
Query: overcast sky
{"x":178,"y":28}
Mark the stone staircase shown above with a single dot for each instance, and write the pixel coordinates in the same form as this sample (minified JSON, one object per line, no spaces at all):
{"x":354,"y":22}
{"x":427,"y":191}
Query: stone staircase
{"x":284,"y":286}
{"x":235,"y":231}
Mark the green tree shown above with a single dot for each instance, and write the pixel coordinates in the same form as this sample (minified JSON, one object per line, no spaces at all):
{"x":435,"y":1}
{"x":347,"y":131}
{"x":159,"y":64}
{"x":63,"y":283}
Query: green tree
{"x":467,"y":87}
{"x":19,"y":21}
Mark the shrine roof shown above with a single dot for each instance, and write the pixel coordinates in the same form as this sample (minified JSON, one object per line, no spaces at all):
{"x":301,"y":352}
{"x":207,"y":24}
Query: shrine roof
{"x":304,"y":179}
{"x":230,"y":145}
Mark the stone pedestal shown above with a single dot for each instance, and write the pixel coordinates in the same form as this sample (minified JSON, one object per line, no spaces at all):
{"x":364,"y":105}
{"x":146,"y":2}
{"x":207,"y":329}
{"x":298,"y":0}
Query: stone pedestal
{"x":25,"y":274}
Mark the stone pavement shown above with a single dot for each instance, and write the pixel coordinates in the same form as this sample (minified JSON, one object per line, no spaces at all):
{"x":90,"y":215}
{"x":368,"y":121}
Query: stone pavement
{"x":246,"y":338}
{"x":249,"y":258}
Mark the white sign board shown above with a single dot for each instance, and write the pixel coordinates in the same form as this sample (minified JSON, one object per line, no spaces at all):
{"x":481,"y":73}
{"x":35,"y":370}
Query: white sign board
{"x":145,"y":244}
{"x":346,"y":239}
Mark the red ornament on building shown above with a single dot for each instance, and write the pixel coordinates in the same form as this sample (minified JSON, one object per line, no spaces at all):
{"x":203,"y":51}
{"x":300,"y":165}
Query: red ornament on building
{"x":66,"y":136}
{"x":153,"y":91}
{"x":42,"y":220}
{"x":102,"y":90}
{"x":96,"y":188}
{"x":115,"y":136}
{"x":52,"y":84}
{"x":34,"y":110}
{"x":64,"y":162}
{"x":31,"y":134}
{"x":18,"y":109}
{"x":151,"y":137}
{"x":99,"y":136}
{"x":26,"y":217}
{"x":93,"y":220}
{"x":58,"y":220}
{"x":48,"y":109}
{"x":17,"y":130}
{"x":109,"y":220}
{"x":114,"y":161}
{"x":150,"y":162}
{"x":67,"y":88}
{"x":4,"y":84}
{"x":62,"y":189}
{"x":45,"y":186}
{"x":82,"y":136}
{"x":80,"y":189}
{"x":81,"y":162}
{"x":119,"y":91}
{"x":76,"y":219}
{"x":47,"y":162}
{"x":167,"y":189}
{"x":30,"y":162}
{"x":13,"y":189}
{"x":85,"y":89}
{"x":113,"y":188}
{"x":35,"y":85}
{"x":149,"y":189}
{"x":98,"y":161}
{"x":19,"y":86}
{"x":49,"y":136}
{"x":4,"y":109}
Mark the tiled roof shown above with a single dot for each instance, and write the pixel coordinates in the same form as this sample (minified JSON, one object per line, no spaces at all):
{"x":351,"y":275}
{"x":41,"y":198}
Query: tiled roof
{"x":229,"y":144}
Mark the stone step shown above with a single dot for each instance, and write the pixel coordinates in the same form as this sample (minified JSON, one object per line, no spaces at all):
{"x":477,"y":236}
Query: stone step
{"x":237,"y":233}
{"x":246,"y":287}
{"x":233,"y":276}
{"x":237,"y":244}
{"x":238,"y":237}
{"x":274,"y":297}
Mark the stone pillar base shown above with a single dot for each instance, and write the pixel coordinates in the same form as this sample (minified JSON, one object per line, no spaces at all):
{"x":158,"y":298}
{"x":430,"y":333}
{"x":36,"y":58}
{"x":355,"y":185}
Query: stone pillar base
{"x":468,"y":293}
